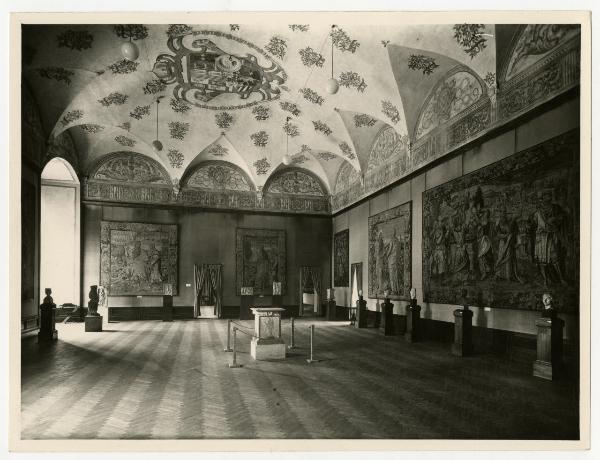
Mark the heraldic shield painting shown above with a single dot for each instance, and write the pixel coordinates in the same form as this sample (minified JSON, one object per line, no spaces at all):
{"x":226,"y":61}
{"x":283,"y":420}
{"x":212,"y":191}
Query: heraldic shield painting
{"x":207,"y":64}
{"x":260,"y":260}
{"x":138,"y":258}
{"x":507,"y":233}
{"x":390,"y":249}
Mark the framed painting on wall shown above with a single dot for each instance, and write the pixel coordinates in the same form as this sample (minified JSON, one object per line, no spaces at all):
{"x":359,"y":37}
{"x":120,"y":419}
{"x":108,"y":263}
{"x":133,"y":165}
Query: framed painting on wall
{"x":260,"y":260}
{"x":390,"y":252}
{"x":507,"y":233}
{"x":341,"y":258}
{"x":138,"y":258}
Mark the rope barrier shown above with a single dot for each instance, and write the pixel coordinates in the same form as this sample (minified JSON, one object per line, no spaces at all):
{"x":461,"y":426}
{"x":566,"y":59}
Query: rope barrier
{"x":292,"y":345}
{"x":240,"y":325}
{"x":228,"y":349}
{"x":312,"y":334}
{"x":234,"y":363}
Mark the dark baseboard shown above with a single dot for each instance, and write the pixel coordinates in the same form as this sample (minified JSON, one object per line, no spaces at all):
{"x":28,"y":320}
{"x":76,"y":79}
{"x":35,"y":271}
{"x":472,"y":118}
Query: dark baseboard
{"x":147,"y":313}
{"x":30,"y":323}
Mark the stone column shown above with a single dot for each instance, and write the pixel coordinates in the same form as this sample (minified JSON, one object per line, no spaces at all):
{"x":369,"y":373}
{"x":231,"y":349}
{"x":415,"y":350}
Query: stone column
{"x":48,"y":332}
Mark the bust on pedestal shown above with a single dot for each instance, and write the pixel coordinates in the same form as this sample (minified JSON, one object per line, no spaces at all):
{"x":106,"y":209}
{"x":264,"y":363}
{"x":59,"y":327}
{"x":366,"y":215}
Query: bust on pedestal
{"x":47,"y":330}
{"x":331,"y":304}
{"x":93,"y":320}
{"x":267,"y":342}
{"x":549,"y":342}
{"x":413,"y":318}
{"x":167,"y":310}
{"x":361,"y":312}
{"x":463,"y":320}
{"x":387,"y":315}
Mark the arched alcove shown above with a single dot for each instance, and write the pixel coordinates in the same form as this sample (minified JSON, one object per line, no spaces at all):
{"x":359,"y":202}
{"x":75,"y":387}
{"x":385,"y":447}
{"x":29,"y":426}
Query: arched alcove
{"x":60,"y":232}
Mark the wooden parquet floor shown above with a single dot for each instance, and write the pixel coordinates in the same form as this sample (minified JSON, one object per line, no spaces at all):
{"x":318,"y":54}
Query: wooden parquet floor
{"x":155,"y":380}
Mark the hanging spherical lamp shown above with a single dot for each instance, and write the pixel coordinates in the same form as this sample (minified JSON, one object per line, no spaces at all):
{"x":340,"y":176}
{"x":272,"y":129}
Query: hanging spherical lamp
{"x":156,"y":144}
{"x":332,"y":86}
{"x":130,"y":51}
{"x":287,"y":159}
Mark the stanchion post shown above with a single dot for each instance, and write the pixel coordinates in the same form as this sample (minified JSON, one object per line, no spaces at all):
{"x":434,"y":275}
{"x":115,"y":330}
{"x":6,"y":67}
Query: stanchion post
{"x":228,"y":336}
{"x":292,"y":345}
{"x":312,"y":335}
{"x":234,"y":360}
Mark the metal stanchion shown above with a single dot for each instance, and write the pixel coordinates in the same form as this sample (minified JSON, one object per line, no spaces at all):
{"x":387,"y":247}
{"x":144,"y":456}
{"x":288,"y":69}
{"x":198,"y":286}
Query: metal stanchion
{"x":234,"y":360}
{"x":312,"y":335}
{"x":292,"y":346}
{"x":228,"y":336}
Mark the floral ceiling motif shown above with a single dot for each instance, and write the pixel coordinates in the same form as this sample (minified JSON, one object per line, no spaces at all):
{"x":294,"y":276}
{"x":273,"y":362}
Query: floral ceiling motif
{"x":180,"y":106}
{"x":456,"y":92}
{"x":322,"y":127}
{"x":71,"y":116}
{"x":154,"y":86}
{"x":175,"y":158}
{"x":91,"y":128}
{"x":290,"y":107}
{"x":291,"y":129}
{"x":362,"y":120}
{"x":471,"y":38}
{"x":140,"y":112}
{"x":178,"y":129}
{"x":123,"y":67}
{"x":217,"y":150}
{"x":295,"y":182}
{"x":261,"y":113}
{"x":310,"y":57}
{"x":131,"y":167}
{"x":125,"y":141}
{"x":342,"y":41}
{"x":390,"y":111}
{"x":351,"y":79}
{"x":262,"y":166}
{"x":421,"y":62}
{"x":260,"y":138}
{"x":311,"y":96}
{"x":347,"y":150}
{"x":219,"y":176}
{"x":131,"y":31}
{"x":224,"y":120}
{"x":299,"y":27}
{"x":59,"y":74}
{"x":326,"y":156}
{"x":114,"y":98}
{"x":75,"y":39}
{"x":277,"y":47}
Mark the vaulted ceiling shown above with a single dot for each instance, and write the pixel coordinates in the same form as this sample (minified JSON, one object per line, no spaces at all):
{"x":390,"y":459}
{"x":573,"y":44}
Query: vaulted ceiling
{"x":245,"y":94}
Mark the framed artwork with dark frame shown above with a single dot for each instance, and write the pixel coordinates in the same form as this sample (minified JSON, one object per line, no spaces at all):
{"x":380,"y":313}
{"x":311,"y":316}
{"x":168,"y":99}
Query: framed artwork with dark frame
{"x":341,"y":258}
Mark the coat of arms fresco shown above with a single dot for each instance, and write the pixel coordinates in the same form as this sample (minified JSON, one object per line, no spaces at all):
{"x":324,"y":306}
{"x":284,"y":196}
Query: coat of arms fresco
{"x":219,"y":71}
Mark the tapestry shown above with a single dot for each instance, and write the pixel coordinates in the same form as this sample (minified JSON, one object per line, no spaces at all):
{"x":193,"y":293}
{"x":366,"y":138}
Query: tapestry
{"x":260,"y":260}
{"x":390,"y":249}
{"x":341,"y":258}
{"x":507,"y":233}
{"x":137,"y":258}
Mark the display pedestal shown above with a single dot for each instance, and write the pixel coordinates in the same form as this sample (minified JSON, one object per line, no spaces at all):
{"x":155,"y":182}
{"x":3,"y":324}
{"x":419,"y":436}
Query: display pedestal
{"x":267,"y":342}
{"x":361,"y":313}
{"x":167,"y":310}
{"x":246,"y":302}
{"x":331,"y":309}
{"x":93,"y":324}
{"x":386,"y":324}
{"x":413,"y":322}
{"x":462,"y":345}
{"x":549,"y":347}
{"x":47,"y":330}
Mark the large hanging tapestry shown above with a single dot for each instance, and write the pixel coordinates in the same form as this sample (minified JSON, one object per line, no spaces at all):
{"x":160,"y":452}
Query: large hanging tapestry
{"x":260,"y":259}
{"x":341,"y":258}
{"x":508,"y":232}
{"x":390,"y":249}
{"x":137,"y":258}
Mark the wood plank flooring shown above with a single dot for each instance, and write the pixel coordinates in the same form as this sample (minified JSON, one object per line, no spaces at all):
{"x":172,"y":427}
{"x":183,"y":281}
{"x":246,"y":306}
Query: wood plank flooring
{"x":155,"y":380}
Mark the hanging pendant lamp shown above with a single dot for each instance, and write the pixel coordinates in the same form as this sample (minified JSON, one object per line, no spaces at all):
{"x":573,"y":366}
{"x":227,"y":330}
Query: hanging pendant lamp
{"x":332,"y":84}
{"x":287,"y":158}
{"x":130,"y":50}
{"x":156,"y":144}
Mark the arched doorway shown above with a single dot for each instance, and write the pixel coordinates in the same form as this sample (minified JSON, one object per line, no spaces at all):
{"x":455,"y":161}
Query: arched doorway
{"x":60,"y":233}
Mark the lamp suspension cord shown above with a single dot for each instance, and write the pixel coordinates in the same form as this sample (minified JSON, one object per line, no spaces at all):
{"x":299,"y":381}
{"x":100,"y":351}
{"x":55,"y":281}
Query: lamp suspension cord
{"x":157,"y":102}
{"x":332,"y":27}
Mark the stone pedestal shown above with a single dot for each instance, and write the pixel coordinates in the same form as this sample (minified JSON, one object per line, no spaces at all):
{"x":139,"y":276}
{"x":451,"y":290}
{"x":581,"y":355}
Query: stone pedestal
{"x":93,"y":323}
{"x":386,"y":324}
{"x":331,"y":309}
{"x":167,"y":309}
{"x":47,"y":330}
{"x":549,"y":347}
{"x":267,"y":342}
{"x":246,"y":302}
{"x":361,"y":313}
{"x":463,"y":320}
{"x":413,"y":322}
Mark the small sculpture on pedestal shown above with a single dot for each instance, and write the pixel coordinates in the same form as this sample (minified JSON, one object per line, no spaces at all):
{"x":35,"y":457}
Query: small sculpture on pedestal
{"x":361,"y":311}
{"x":93,"y":320}
{"x":413,"y":317}
{"x":331,"y":305}
{"x":387,"y":315}
{"x":549,"y":341}
{"x":48,"y":330}
{"x":463,"y":322}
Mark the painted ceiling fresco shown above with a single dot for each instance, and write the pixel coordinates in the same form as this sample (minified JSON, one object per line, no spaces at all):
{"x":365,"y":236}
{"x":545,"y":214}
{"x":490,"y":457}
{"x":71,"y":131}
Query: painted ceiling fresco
{"x":241,"y":93}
